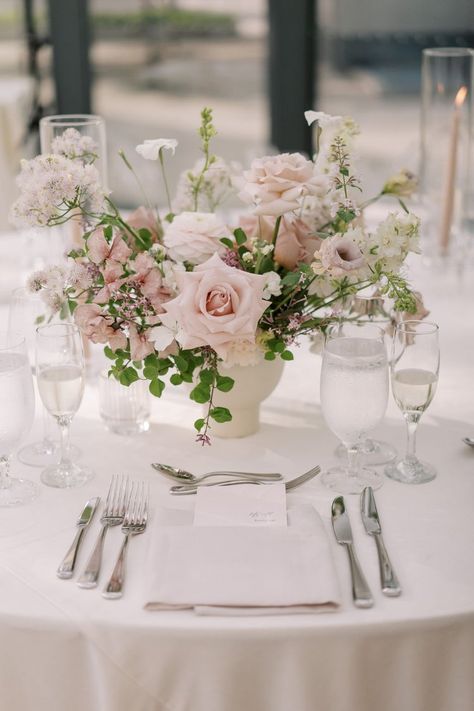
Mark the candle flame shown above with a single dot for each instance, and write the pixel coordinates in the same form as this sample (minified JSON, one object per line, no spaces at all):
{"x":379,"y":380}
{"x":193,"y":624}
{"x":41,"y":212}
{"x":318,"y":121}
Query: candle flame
{"x":460,"y":96}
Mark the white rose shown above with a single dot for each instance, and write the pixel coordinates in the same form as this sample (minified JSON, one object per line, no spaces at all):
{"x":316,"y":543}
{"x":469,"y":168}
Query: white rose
{"x":195,"y":236}
{"x":150,"y":148}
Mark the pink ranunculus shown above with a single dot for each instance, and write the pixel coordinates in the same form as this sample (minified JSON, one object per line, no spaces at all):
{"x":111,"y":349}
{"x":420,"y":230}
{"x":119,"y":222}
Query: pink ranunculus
{"x":340,"y":254}
{"x":195,"y":236}
{"x":97,"y":326}
{"x":140,"y":347}
{"x":275,"y":184}
{"x":216,"y":306}
{"x":98,"y":249}
{"x":146,"y":218}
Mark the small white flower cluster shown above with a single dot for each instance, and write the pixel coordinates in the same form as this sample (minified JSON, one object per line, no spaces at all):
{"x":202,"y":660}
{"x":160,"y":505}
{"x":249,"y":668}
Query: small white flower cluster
{"x":75,"y":146}
{"x":243,"y":352}
{"x":393,"y":239}
{"x":51,"y":186}
{"x":53,"y":282}
{"x":272,"y":285}
{"x":217,"y":186}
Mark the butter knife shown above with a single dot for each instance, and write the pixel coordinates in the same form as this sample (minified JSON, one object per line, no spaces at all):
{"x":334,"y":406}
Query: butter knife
{"x":370,"y":518}
{"x":66,"y":568}
{"x":342,"y":530}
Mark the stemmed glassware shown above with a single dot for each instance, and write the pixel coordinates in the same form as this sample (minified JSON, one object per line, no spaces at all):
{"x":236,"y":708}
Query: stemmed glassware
{"x":60,"y":371}
{"x":354,"y":394}
{"x":17,"y":405}
{"x":27,"y":311}
{"x":414,"y":374}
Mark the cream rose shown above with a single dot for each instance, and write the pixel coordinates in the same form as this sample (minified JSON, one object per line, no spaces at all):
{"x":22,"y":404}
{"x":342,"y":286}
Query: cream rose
{"x":194,"y":237}
{"x":275,"y":184}
{"x":217,"y":306}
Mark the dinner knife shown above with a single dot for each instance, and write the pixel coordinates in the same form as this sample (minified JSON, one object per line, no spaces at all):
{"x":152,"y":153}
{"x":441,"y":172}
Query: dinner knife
{"x":370,"y":518}
{"x":342,"y":530}
{"x":66,"y":568}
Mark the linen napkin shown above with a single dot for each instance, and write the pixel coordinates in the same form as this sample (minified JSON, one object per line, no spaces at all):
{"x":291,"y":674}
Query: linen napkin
{"x":239,"y":570}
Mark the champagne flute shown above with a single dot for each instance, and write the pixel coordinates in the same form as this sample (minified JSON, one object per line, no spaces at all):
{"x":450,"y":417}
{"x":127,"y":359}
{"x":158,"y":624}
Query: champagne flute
{"x":17,"y":405}
{"x":354,"y":394}
{"x":414,"y":374}
{"x":27,"y":311}
{"x":60,"y":371}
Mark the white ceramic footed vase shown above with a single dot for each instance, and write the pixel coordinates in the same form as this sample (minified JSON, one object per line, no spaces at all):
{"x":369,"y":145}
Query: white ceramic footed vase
{"x":252,"y":385}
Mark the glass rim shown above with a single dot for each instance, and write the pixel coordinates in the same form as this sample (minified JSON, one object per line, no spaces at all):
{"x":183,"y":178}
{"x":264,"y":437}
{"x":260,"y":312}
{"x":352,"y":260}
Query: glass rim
{"x":17,"y":339}
{"x":404,"y":327}
{"x":66,"y":326}
{"x":63,"y":120}
{"x":448,"y":52}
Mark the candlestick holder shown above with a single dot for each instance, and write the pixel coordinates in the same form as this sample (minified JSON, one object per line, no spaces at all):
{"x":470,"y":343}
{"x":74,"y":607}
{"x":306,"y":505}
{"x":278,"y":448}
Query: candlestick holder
{"x":446,"y":166}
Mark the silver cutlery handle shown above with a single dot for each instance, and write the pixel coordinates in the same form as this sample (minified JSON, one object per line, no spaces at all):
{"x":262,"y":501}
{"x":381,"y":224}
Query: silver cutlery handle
{"x":388,"y":579}
{"x":360,"y":588}
{"x":66,"y":568}
{"x":114,"y":587}
{"x":183,"y":489}
{"x":88,"y":578}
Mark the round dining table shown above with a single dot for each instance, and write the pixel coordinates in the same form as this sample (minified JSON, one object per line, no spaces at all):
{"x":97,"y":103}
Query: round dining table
{"x":64,"y":648}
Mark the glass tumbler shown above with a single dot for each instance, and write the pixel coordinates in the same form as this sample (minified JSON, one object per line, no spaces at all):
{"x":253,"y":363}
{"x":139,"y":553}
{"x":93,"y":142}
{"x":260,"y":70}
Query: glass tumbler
{"x":124,"y":410}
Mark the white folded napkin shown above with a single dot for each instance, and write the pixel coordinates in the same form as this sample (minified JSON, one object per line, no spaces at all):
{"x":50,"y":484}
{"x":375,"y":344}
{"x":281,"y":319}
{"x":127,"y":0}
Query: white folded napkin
{"x":242,"y":570}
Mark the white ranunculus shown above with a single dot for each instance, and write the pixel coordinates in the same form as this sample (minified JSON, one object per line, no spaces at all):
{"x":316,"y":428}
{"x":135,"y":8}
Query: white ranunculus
{"x":151,"y":147}
{"x":195,"y":236}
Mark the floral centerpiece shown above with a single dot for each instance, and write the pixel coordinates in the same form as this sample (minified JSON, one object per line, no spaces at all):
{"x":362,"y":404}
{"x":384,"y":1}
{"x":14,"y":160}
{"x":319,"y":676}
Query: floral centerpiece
{"x":185,"y":295}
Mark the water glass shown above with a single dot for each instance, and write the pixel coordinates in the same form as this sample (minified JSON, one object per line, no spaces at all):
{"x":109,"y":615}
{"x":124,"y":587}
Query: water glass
{"x":414,"y":375}
{"x":60,"y":371}
{"x":125,"y":410}
{"x":354,"y":394}
{"x":17,"y":406}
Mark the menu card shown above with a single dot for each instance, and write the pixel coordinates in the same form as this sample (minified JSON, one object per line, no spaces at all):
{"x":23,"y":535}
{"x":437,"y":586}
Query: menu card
{"x":241,"y":505}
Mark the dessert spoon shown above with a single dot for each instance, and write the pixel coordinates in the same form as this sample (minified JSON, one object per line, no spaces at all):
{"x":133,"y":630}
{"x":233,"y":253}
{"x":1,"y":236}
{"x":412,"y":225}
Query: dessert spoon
{"x":181,"y":475}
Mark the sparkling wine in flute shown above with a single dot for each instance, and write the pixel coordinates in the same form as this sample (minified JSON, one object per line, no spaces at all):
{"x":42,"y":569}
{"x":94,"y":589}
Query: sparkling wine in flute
{"x":61,"y":388}
{"x":414,"y":389}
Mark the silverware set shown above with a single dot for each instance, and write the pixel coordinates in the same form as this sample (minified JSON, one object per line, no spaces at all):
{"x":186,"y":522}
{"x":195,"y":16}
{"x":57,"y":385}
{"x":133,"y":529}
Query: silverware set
{"x":361,"y":593}
{"x":226,"y":478}
{"x":126,"y":505}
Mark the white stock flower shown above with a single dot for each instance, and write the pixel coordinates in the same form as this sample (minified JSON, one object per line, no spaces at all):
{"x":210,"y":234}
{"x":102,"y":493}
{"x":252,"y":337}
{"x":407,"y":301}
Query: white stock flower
{"x":194,"y":237}
{"x":272,"y":285}
{"x":389,"y":245}
{"x":151,"y":147}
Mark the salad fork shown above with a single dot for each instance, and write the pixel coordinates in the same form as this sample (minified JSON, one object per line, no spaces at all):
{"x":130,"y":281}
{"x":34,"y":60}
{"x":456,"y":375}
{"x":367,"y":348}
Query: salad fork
{"x":134,"y":523}
{"x":112,"y":515}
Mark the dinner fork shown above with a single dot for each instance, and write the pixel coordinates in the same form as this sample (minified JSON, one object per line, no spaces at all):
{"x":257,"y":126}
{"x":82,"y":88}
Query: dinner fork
{"x":134,"y":523}
{"x":113,"y":515}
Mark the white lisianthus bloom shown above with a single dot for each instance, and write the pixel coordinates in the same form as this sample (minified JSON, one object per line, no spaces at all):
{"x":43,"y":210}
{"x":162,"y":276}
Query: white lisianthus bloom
{"x":195,"y":236}
{"x":272,"y":285}
{"x":151,"y":147}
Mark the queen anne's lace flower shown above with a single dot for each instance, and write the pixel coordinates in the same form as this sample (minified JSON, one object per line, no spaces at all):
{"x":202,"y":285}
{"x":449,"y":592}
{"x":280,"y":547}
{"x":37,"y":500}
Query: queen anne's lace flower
{"x":71,"y":144}
{"x":53,"y":185}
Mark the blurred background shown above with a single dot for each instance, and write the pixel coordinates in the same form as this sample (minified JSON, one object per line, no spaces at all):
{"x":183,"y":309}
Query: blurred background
{"x":149,"y":66}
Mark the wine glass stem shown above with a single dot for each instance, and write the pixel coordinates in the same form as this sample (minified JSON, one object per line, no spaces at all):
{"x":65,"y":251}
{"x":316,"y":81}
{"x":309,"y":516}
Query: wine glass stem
{"x":412,"y":420}
{"x":64,"y":423}
{"x":4,"y":472}
{"x":353,"y":460}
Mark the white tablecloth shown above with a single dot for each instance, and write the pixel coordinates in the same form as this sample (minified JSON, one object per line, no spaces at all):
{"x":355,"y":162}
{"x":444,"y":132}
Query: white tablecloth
{"x":66,"y":648}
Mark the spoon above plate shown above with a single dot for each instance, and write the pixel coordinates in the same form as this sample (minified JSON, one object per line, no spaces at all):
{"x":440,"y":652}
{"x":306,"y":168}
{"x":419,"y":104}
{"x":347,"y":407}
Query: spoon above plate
{"x":181,"y":475}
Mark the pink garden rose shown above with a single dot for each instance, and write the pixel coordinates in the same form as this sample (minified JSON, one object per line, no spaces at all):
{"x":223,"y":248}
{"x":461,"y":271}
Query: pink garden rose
{"x":295,"y":243}
{"x":194,"y":237}
{"x":98,"y":249}
{"x":145,"y":217}
{"x":339,"y":254}
{"x":275,"y":184}
{"x":217,"y":306}
{"x":97,"y":326}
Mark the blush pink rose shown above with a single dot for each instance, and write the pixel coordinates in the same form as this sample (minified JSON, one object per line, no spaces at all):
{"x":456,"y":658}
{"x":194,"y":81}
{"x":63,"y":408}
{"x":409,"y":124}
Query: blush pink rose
{"x":98,"y":249}
{"x":217,"y":305}
{"x":97,"y":326}
{"x":295,"y":243}
{"x":146,"y":218}
{"x":340,"y":254}
{"x":275,"y":184}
